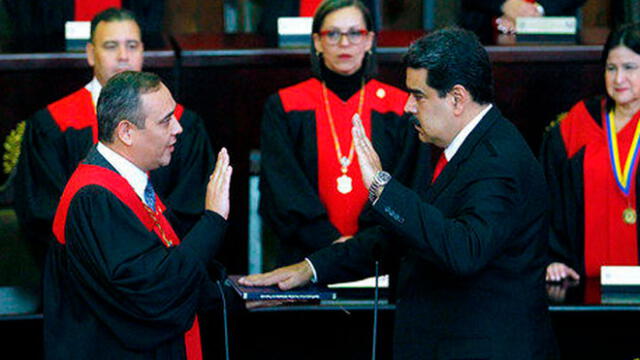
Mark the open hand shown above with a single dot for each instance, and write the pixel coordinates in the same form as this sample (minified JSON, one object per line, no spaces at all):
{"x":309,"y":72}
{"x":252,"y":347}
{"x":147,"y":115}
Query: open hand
{"x":217,"y":198}
{"x":286,"y":278}
{"x":558,"y":271}
{"x":367,"y":156}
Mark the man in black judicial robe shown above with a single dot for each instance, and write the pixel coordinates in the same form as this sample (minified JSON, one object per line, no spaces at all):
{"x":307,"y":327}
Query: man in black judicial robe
{"x":58,"y":137}
{"x":469,"y":245}
{"x":119,"y":283}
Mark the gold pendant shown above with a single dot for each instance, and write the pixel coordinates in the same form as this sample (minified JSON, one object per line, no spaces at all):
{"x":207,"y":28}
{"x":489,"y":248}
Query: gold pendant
{"x":344,"y":184}
{"x":629,"y":216}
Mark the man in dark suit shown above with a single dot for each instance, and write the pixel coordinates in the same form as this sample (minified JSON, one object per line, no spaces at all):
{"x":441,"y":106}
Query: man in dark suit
{"x":468,"y":245}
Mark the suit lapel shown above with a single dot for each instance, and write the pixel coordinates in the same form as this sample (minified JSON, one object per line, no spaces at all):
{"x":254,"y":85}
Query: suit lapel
{"x":465,"y":151}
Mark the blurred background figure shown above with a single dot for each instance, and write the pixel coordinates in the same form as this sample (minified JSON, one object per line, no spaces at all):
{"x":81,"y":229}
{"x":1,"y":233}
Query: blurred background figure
{"x":484,"y":17}
{"x":311,"y":189}
{"x":590,"y":160}
{"x":272,"y":10}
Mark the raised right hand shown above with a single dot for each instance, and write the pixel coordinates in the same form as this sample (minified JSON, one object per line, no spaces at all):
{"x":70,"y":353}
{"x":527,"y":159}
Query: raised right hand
{"x":217,"y":198}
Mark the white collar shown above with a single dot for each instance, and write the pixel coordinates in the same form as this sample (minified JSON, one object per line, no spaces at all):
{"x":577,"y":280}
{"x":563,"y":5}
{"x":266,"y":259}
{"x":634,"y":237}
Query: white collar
{"x":134,"y":175}
{"x":94,"y":88}
{"x":457,"y":141}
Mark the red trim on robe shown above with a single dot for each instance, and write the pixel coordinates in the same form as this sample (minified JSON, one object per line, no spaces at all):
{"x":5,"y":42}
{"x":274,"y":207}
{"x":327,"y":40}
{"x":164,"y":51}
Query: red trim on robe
{"x":86,"y":175}
{"x":85,"y":10}
{"x":77,"y":111}
{"x":607,"y":239}
{"x":343,"y":209}
{"x":178,"y":112}
{"x":308,"y":7}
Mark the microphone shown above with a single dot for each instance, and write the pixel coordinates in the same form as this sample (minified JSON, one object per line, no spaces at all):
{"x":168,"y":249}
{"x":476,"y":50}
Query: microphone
{"x":376,"y":253}
{"x":224,"y":320}
{"x":217,"y":271}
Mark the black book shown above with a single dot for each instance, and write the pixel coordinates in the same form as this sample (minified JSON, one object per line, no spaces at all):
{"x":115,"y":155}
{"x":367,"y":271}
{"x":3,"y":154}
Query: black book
{"x":310,"y":292}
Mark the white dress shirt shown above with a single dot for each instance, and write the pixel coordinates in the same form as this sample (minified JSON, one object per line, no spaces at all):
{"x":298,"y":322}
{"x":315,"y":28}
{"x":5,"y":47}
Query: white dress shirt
{"x":457,"y":141}
{"x":94,"y":88}
{"x":134,"y":175}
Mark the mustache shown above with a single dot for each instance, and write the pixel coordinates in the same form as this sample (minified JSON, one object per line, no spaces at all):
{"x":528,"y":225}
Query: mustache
{"x":413,"y":120}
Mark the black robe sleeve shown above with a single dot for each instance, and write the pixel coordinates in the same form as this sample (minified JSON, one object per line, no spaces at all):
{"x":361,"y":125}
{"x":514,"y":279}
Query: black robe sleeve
{"x":565,"y":180}
{"x":144,"y":293}
{"x":47,"y":159}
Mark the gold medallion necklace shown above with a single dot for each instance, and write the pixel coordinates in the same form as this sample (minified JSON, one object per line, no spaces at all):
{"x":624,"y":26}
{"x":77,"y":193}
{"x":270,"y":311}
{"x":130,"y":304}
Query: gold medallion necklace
{"x":344,"y":182}
{"x":623,"y":175}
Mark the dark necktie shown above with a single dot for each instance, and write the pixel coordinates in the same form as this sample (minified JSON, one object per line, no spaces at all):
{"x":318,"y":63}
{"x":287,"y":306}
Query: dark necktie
{"x":442,"y":162}
{"x":150,"y":196}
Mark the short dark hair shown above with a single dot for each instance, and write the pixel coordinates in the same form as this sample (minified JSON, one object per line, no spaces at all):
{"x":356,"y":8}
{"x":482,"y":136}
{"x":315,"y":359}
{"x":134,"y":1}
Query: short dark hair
{"x":453,"y":56}
{"x":120,"y":100}
{"x":327,"y":7}
{"x":627,"y":35}
{"x":110,"y":15}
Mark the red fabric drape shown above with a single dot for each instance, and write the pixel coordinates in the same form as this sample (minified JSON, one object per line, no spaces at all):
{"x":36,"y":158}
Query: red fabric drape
{"x":308,"y":7}
{"x":85,"y":10}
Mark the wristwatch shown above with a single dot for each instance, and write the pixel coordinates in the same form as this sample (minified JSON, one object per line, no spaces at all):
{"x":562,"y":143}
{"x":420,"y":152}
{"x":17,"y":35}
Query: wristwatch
{"x":379,"y":181}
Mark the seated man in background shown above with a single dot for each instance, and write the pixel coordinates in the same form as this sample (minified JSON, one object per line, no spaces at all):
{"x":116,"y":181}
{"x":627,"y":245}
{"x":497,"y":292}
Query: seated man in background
{"x":119,"y":283}
{"x":58,"y":137}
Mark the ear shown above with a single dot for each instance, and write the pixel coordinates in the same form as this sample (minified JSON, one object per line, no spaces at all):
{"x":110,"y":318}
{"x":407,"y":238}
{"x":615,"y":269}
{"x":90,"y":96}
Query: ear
{"x":369,"y":41}
{"x":460,"y":98}
{"x":89,"y":49}
{"x":125,"y":132}
{"x":317,"y":42}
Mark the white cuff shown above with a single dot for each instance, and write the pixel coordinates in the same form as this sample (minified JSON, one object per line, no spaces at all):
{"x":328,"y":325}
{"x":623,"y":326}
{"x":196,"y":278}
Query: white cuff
{"x":314,"y":278}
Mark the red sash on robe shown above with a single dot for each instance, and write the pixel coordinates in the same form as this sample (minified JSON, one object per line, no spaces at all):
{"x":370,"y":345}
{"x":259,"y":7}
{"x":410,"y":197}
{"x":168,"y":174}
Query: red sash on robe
{"x":77,"y":111}
{"x":96,"y":175}
{"x":607,"y":239}
{"x":85,"y":10}
{"x":343,"y":209}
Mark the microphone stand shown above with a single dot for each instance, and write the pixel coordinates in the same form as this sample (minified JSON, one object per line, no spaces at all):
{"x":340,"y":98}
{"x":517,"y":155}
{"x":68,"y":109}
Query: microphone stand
{"x":375,"y":311}
{"x":224,"y":320}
